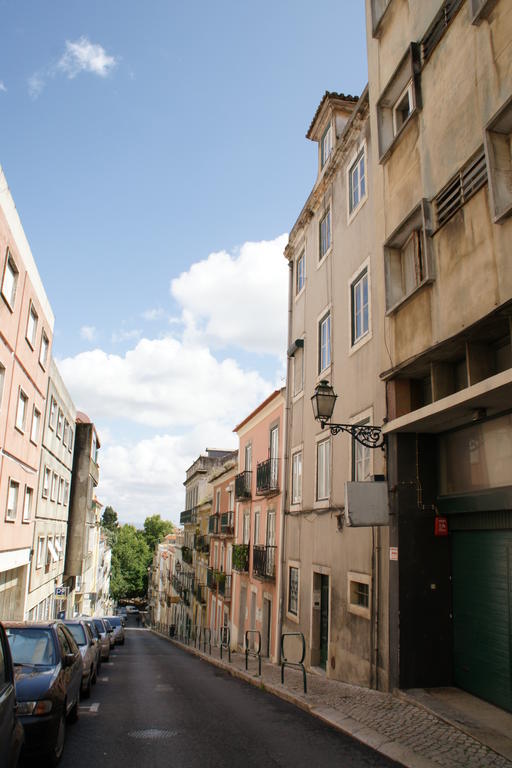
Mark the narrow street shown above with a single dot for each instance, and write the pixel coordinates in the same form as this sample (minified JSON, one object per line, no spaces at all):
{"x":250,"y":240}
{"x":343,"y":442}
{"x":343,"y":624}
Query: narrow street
{"x":155,"y":705}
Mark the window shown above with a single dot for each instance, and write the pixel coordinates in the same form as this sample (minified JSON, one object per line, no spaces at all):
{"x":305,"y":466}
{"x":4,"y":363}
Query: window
{"x":43,"y":351}
{"x":52,"y":555}
{"x":323,"y":461}
{"x":32,"y":326}
{"x":65,"y":433}
{"x":407,"y":256}
{"x":399,"y":101}
{"x":52,"y":418}
{"x":298,"y":371}
{"x":361,"y":459}
{"x":12,"y":500}
{"x":297,"y":477}
{"x":27,"y":504}
{"x":357,"y":182}
{"x":59,"y":546}
{"x":293,"y":590}
{"x":61,"y":490}
{"x":2,"y":379}
{"x":378,"y":9}
{"x":21,"y":413}
{"x":403,"y":108}
{"x":36,"y":421}
{"x":324,"y":343}
{"x":70,"y":446}
{"x":498,"y":148}
{"x":481,"y":9}
{"x":326,"y":145}
{"x":359,"y":307}
{"x":325,"y":234}
{"x":94,"y":451}
{"x":46,"y":483}
{"x":247,"y":527}
{"x":10,"y":280}
{"x":300,"y":274}
{"x":60,"y":424}
{"x":217,"y":501}
{"x":66,"y":493}
{"x":256,"y":539}
{"x":248,"y":457}
{"x":358,"y":594}
{"x":55,"y":481}
{"x":40,"y":551}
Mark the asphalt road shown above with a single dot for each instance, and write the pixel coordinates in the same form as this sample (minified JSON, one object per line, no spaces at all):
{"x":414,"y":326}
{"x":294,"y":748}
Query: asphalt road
{"x":155,"y":705}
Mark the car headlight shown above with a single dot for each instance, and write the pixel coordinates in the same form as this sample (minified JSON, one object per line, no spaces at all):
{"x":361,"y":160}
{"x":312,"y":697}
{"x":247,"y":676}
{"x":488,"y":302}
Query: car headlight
{"x":33,"y":707}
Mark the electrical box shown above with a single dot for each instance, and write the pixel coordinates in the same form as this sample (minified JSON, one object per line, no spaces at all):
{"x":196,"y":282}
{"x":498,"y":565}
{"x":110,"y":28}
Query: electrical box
{"x":366,"y":503}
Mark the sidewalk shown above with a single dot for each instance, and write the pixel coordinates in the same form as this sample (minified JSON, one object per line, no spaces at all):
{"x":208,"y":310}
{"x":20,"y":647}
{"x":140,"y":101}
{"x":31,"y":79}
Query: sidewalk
{"x":404,"y":728}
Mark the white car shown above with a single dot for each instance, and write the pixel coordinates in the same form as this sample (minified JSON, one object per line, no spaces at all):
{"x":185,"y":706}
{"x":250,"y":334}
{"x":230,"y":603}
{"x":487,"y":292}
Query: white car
{"x":87,"y":647}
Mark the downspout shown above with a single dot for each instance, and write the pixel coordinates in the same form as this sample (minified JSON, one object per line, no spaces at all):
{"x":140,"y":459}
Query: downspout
{"x":284,"y":497}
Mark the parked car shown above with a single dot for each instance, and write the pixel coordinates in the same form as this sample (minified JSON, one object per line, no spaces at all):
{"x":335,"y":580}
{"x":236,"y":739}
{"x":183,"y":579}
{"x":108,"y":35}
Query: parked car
{"x":11,"y":730}
{"x":96,"y":639}
{"x":110,"y":631}
{"x":48,"y":676}
{"x":83,"y":638}
{"x":132,"y":609}
{"x":118,"y":627}
{"x":121,"y":611}
{"x":104,"y":637}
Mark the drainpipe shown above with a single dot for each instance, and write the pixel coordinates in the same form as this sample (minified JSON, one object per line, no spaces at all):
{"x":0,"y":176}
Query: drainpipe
{"x":281,"y":590}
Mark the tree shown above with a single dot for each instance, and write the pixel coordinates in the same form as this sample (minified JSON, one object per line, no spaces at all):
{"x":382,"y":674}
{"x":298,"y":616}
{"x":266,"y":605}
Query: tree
{"x":156,"y":529}
{"x":131,"y":557}
{"x":109,"y":519}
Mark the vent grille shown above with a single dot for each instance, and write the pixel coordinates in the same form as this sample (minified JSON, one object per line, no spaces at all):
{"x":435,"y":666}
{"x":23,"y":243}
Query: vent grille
{"x":461,"y":188}
{"x":438,"y":27}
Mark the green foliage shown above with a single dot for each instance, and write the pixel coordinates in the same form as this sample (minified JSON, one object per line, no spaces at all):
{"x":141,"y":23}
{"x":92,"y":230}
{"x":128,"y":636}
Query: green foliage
{"x":240,"y":556}
{"x":109,"y":519}
{"x":156,"y":529}
{"x":131,"y":557}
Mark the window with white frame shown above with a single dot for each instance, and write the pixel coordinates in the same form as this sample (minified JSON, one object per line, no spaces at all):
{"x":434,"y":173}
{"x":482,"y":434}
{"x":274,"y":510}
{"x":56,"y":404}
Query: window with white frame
{"x":325,"y":234}
{"x":361,"y":458}
{"x":326,"y":145}
{"x":65,"y":433}
{"x":400,"y":100}
{"x":293,"y":590}
{"x":297,"y":477}
{"x":300,"y":272}
{"x":358,"y":594}
{"x":298,"y":371}
{"x":32,"y":326}
{"x":46,"y":482}
{"x":2,"y":380}
{"x":359,"y":307}
{"x":10,"y":280}
{"x":40,"y":551}
{"x":60,"y":423}
{"x":66,"y":493}
{"x":324,"y":342}
{"x":36,"y":422}
{"x":43,"y":350}
{"x":323,"y":469}
{"x":247,"y":527}
{"x":52,"y":417}
{"x":70,"y":446}
{"x":58,"y":546}
{"x":357,"y":182}
{"x":60,"y":495}
{"x":256,"y":539}
{"x":21,"y":412}
{"x":12,"y":500}
{"x":217,"y":501}
{"x":55,"y":483}
{"x":403,"y":108}
{"x":248,"y":457}
{"x":27,"y":504}
{"x":52,"y":555}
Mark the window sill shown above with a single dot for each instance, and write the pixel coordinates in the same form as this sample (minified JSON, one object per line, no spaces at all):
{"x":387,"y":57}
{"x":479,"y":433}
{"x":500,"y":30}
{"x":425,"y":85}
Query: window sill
{"x":405,"y":299}
{"x":360,"y":343}
{"x":19,"y":429}
{"x":321,"y":503}
{"x":29,"y":343}
{"x":377,"y":25}
{"x":322,"y":374}
{"x":292,"y":617}
{"x":324,"y":257}
{"x":501,"y":216}
{"x":10,"y":520}
{"x":386,"y":154}
{"x":6,"y":300}
{"x":297,"y":397}
{"x":299,"y":294}
{"x":358,"y":610}
{"x":352,"y":214}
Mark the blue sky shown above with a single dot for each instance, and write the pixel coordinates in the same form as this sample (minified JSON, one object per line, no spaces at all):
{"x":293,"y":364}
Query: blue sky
{"x":157,"y":156}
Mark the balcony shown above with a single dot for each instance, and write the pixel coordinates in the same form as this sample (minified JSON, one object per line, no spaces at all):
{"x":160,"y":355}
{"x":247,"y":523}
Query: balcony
{"x":225,"y":586}
{"x":240,"y":557}
{"x":227,"y":523}
{"x":177,"y":585}
{"x":186,"y":555}
{"x":189,"y":516}
{"x":200,"y":593}
{"x":243,"y":483}
{"x":267,"y":477}
{"x":264,"y":562}
{"x":213,"y":524}
{"x":211,"y":581}
{"x":201,"y":544}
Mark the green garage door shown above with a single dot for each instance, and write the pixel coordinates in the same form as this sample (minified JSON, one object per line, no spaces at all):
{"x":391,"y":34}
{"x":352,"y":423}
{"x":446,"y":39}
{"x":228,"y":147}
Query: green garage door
{"x":482,"y":614}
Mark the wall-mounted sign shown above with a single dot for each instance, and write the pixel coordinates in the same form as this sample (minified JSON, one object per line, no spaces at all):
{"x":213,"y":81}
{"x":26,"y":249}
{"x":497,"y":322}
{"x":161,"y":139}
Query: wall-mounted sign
{"x":393,"y":553}
{"x":61,"y":591}
{"x":440,"y":526}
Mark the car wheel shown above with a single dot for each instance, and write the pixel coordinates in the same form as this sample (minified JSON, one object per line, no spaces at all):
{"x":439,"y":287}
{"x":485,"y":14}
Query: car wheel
{"x":86,"y":690}
{"x":58,"y":748}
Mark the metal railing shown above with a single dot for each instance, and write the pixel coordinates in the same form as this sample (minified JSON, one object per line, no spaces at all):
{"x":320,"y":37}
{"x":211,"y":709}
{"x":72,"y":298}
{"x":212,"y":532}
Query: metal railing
{"x":186,"y":554}
{"x":294,"y":664}
{"x":188,"y":516}
{"x":200,"y":593}
{"x":213,"y":524}
{"x":252,"y":651}
{"x":267,"y":477}
{"x":243,"y":482}
{"x":264,"y":562}
{"x":227,"y":525}
{"x":225,"y":585}
{"x":225,"y":641}
{"x":201,"y":543}
{"x":240,"y":557}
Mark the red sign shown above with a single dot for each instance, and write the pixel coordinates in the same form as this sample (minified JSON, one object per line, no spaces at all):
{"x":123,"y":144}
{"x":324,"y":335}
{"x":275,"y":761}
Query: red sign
{"x":441,"y":526}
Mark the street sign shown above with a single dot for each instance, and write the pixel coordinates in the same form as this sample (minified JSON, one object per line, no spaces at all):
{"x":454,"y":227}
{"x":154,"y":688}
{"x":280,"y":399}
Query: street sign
{"x":393,"y":553}
{"x":61,"y":591}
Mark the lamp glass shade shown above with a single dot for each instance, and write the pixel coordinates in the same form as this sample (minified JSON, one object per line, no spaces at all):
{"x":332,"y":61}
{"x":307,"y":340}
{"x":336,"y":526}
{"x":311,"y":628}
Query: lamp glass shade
{"x":323,"y":401}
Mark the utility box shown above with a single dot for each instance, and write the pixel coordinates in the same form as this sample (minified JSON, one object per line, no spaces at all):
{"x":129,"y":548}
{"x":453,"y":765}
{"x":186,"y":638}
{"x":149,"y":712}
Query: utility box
{"x":366,"y":503}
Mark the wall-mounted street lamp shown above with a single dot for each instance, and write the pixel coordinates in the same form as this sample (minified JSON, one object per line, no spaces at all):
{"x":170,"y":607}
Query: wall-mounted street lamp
{"x":323,"y":402}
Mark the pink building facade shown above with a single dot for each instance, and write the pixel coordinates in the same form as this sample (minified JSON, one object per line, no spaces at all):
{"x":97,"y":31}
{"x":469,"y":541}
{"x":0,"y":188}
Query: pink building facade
{"x":256,"y":559}
{"x":26,"y":330}
{"x":221,"y":530}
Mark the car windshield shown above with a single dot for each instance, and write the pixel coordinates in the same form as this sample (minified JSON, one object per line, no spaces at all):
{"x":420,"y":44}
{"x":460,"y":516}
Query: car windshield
{"x":30,"y":645}
{"x":99,"y":625}
{"x":107,"y":623}
{"x":78,"y":633}
{"x":93,"y":628}
{"x":115,"y":621}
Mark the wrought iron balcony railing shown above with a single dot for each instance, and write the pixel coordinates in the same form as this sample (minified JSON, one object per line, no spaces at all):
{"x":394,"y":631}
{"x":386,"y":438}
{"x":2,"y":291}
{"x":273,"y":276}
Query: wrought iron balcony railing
{"x":267,"y":477}
{"x":189,"y":516}
{"x":227,"y":523}
{"x":186,"y":554}
{"x":177,"y":585}
{"x":201,"y":593}
{"x":243,"y":483}
{"x":201,"y":543}
{"x":264,"y":562}
{"x":211,"y":581}
{"x":213,"y":524}
{"x":225,"y":586}
{"x":240,"y":557}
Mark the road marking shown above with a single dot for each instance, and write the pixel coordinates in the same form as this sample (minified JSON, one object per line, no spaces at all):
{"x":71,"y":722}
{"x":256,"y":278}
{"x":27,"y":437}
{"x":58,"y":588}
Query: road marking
{"x":108,"y":664}
{"x":103,"y":679}
{"x":90,"y":709}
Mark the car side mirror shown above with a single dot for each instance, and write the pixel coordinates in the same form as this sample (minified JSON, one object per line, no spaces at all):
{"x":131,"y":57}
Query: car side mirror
{"x":68,"y":660}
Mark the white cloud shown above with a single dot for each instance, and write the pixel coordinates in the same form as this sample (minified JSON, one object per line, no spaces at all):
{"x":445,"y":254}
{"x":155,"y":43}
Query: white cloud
{"x":84,"y":56}
{"x":36,"y":85}
{"x":153,"y":314}
{"x":120,"y":336}
{"x":88,"y":332}
{"x":237,"y":299}
{"x":2,"y":86}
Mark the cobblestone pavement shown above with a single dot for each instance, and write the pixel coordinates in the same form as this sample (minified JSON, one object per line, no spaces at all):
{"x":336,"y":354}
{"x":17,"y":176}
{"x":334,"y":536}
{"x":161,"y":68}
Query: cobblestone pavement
{"x":401,"y":730}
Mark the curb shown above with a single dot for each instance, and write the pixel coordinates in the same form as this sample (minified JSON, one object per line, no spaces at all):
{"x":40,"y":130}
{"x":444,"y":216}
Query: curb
{"x":346,"y":725}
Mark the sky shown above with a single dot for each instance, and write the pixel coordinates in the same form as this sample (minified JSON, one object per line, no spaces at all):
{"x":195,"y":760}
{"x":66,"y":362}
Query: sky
{"x":157,"y":157}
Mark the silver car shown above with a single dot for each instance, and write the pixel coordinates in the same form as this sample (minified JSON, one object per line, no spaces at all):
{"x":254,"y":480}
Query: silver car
{"x":96,"y":638}
{"x":83,"y":638}
{"x":118,"y":626}
{"x":110,"y":632}
{"x":104,"y":637}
